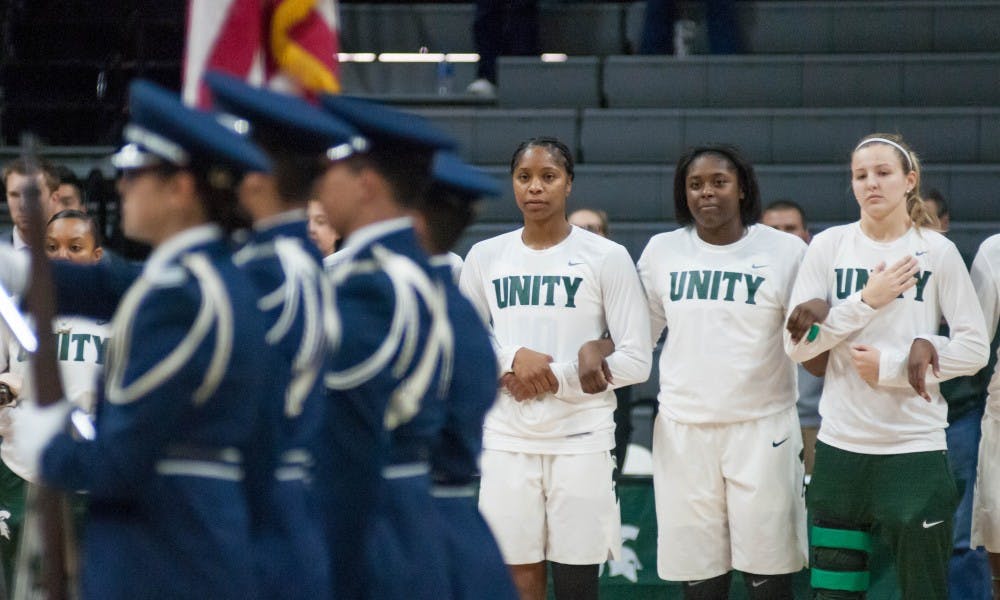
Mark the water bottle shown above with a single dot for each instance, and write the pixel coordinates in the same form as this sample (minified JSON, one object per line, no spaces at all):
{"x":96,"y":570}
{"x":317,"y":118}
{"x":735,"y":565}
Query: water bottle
{"x":445,"y":77}
{"x":684,"y":33}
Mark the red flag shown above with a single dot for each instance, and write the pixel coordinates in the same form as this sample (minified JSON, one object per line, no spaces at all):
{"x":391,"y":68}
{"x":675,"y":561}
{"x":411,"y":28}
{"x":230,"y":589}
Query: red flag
{"x":287,"y":45}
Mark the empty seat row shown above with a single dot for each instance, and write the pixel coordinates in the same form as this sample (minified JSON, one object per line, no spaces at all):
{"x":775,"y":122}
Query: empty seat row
{"x":657,"y":136}
{"x":604,"y":28}
{"x":787,"y":135}
{"x":736,"y":81}
{"x":748,"y":81}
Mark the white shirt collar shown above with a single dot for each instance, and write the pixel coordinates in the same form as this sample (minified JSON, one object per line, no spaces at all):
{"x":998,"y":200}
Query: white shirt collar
{"x":17,"y":241}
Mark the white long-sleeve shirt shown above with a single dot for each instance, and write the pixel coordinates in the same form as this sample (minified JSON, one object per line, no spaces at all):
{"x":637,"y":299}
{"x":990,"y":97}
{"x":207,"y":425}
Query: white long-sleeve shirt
{"x":724,"y":308}
{"x":552,"y":301}
{"x":81,"y":349}
{"x":986,"y":279}
{"x":888,"y":418}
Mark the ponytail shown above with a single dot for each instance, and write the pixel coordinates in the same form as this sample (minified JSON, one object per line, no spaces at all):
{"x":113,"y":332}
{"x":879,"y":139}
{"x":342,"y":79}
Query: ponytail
{"x":915,"y":206}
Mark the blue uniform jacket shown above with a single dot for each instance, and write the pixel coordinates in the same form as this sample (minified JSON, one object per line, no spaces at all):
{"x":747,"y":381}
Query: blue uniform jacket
{"x":395,"y":340}
{"x":168,"y":514}
{"x":476,"y":570}
{"x":284,"y":266}
{"x":471,"y":391}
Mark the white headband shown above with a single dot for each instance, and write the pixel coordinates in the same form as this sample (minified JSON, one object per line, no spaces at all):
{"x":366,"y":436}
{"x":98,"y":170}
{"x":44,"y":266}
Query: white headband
{"x":909,"y":162}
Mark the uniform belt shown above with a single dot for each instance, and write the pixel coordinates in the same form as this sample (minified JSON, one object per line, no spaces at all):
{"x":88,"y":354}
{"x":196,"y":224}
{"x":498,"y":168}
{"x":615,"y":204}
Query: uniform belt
{"x":224,"y":454}
{"x":467,"y":490}
{"x":188,"y":460}
{"x":405,"y":470}
{"x":296,"y":456}
{"x":294,"y":465}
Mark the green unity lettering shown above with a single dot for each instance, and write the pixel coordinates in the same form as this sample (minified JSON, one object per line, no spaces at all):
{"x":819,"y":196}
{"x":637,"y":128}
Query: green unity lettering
{"x":536,"y":290}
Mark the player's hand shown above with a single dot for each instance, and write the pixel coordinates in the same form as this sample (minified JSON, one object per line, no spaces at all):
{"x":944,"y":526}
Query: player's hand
{"x":533,"y":371}
{"x":515,"y":388}
{"x":866,"y":360}
{"x":595,"y":375}
{"x":886,"y":283}
{"x":804,"y":315}
{"x":922,"y":353}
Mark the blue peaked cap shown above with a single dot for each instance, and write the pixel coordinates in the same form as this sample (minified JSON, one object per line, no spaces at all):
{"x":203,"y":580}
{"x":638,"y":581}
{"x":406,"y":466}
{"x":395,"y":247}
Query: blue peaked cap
{"x":451,"y":173}
{"x":297,"y":125}
{"x":163,"y":130}
{"x":379,"y":123}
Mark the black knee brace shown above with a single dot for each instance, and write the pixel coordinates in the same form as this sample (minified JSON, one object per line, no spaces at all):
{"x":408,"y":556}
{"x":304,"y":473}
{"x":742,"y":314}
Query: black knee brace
{"x":840,"y":561}
{"x":574,"y":582}
{"x":716,"y":588}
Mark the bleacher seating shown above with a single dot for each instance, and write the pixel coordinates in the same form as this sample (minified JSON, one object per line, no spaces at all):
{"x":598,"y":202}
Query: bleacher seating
{"x":490,"y":136}
{"x":606,"y":28}
{"x":746,"y":81}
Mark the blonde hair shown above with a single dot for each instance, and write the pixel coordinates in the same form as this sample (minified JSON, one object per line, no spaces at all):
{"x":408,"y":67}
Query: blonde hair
{"x":909,"y":161}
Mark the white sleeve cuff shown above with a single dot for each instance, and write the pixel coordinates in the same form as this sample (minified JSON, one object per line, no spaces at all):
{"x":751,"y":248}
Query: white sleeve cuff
{"x":892,"y":368}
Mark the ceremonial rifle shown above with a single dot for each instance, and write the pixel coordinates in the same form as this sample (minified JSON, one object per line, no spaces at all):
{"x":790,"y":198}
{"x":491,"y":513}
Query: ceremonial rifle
{"x":40,"y":303}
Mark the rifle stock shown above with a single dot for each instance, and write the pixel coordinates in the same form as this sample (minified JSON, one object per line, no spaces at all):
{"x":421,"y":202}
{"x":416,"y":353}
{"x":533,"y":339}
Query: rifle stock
{"x":41,"y":305}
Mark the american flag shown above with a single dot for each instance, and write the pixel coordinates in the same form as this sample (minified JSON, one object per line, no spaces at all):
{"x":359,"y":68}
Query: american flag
{"x":286,"y":45}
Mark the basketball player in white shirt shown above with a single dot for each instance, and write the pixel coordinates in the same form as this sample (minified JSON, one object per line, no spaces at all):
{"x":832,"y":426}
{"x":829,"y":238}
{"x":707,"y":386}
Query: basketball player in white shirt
{"x":727,"y":468}
{"x":551,"y":291}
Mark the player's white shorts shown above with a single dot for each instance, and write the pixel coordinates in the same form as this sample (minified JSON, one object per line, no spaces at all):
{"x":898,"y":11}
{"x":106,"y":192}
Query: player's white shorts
{"x":729,"y":496}
{"x":557,"y":507}
{"x":986,"y":500}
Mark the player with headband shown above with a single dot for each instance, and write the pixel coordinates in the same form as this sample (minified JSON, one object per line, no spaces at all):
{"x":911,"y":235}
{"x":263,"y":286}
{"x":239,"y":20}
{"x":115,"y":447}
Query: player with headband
{"x":879,"y":288}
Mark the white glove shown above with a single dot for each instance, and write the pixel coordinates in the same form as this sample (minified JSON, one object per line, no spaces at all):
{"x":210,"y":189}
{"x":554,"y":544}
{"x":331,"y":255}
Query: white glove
{"x":36,"y":426}
{"x":14,"y":266}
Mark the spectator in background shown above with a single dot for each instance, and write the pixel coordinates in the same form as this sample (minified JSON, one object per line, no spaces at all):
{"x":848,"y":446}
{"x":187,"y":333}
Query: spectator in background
{"x":937,"y":206}
{"x":968,"y":569}
{"x":508,"y":27}
{"x":15,"y":177}
{"x":786,"y":215}
{"x":664,"y":33}
{"x":320,"y":231}
{"x":69,"y":193}
{"x":594,"y":221}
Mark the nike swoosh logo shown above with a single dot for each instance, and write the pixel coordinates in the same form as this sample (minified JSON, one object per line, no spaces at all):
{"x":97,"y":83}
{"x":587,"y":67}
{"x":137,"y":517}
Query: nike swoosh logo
{"x":694,"y":583}
{"x":573,"y":264}
{"x":757,"y":266}
{"x":776,"y":444}
{"x":758,"y":582}
{"x":922,"y":253}
{"x":929,"y":525}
